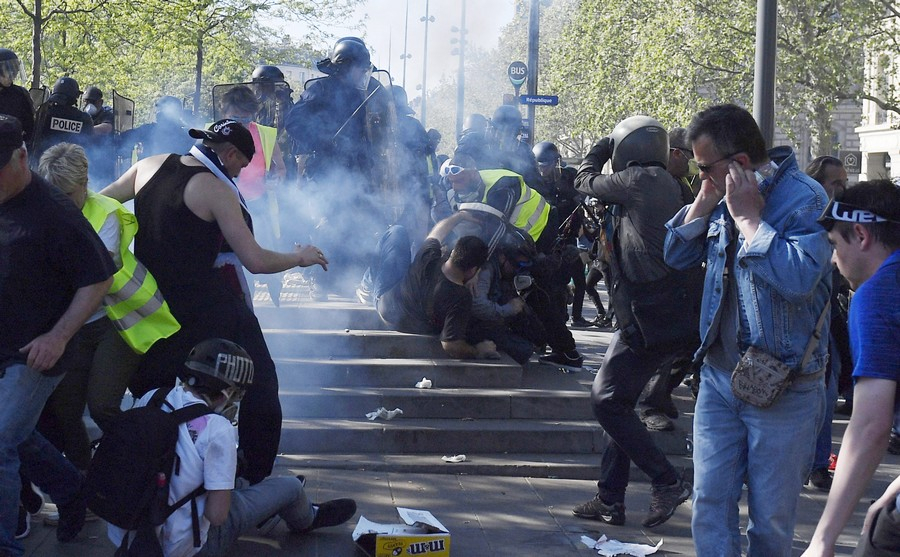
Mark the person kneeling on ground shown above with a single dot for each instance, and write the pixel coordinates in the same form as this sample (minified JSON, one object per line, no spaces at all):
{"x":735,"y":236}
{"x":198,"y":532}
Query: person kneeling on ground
{"x":217,"y":373}
{"x":429,"y":296}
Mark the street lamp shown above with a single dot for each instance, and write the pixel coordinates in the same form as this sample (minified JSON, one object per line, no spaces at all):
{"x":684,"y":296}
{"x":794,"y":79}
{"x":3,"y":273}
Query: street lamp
{"x":427,"y":20}
{"x":406,"y":55}
{"x":461,"y":76}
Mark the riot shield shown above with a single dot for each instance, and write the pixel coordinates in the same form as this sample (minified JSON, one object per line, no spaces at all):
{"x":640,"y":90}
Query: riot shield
{"x":38,"y":96}
{"x":381,"y":128}
{"x":123,"y":113}
{"x":123,"y":120}
{"x":274,"y":99}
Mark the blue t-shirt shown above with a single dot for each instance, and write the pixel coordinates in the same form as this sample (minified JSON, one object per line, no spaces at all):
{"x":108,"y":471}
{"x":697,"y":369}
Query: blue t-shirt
{"x":875,"y":325}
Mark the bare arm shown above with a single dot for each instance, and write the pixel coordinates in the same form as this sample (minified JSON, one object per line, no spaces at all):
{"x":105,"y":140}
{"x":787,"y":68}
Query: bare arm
{"x":861,"y":451}
{"x":218,"y":504}
{"x":44,"y":351}
{"x":443,"y":228}
{"x":212,"y":200}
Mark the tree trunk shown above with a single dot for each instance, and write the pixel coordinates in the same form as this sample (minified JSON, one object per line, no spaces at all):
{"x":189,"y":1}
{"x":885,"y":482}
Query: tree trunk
{"x":198,"y":77}
{"x":36,"y":35}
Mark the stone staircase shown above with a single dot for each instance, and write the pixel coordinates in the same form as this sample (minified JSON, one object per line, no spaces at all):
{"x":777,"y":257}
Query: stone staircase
{"x":336,"y":362}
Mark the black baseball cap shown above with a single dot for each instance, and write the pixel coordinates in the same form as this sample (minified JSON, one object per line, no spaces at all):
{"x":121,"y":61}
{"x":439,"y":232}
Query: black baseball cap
{"x":228,"y":131}
{"x":11,"y":137}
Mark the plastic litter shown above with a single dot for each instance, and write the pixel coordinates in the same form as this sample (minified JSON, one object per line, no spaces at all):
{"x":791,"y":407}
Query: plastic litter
{"x":425,"y":383}
{"x":384,"y":414}
{"x":454,"y":458}
{"x":608,"y":547}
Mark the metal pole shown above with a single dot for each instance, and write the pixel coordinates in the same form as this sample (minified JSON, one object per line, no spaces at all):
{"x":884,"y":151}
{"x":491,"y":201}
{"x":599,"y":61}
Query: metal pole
{"x":461,"y":78}
{"x":764,"y":72}
{"x":534,"y":24}
{"x":405,"y":44}
{"x":425,"y":65}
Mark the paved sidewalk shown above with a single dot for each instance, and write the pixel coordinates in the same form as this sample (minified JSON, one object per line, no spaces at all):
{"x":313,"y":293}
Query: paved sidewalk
{"x":486,"y":515}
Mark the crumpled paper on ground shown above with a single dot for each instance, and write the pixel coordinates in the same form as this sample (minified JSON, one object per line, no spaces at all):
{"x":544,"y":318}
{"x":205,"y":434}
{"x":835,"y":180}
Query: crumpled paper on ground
{"x":605,"y":546}
{"x":384,"y":414}
{"x":455,"y":458}
{"x":425,"y":383}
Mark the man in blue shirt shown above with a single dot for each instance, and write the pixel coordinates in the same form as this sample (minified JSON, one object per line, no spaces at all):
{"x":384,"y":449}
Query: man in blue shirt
{"x":864,"y":226}
{"x":768,"y":280}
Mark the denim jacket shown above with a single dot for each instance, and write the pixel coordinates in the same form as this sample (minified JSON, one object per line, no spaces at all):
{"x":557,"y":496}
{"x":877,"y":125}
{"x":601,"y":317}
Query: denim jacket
{"x":783,"y":275}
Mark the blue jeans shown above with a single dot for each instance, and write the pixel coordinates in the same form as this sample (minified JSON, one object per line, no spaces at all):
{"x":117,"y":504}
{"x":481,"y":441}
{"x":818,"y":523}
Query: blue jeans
{"x":392,"y":260}
{"x":24,"y":392}
{"x":251,"y":505}
{"x":769,"y":448}
{"x":822,"y":455}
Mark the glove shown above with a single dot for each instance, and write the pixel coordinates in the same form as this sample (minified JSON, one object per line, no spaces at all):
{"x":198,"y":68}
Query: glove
{"x":601,"y":153}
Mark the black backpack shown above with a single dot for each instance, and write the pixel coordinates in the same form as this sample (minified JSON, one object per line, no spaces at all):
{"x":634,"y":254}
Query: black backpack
{"x":128,"y":480}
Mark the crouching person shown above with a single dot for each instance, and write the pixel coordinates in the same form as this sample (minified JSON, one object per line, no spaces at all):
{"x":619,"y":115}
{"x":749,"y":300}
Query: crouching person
{"x":216,"y":374}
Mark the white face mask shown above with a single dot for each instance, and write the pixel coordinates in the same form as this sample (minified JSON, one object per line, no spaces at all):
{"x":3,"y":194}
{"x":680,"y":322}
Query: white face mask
{"x":91,"y":109}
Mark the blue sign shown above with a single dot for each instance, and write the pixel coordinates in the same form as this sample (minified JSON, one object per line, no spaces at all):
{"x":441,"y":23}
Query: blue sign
{"x":545,"y":100}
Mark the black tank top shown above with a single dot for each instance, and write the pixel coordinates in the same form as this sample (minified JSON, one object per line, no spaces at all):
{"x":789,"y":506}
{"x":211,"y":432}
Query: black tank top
{"x":176,"y":245}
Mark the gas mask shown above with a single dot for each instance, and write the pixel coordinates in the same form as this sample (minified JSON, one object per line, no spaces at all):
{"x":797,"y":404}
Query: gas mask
{"x":230,"y":407}
{"x":470,"y":197}
{"x":91,"y":109}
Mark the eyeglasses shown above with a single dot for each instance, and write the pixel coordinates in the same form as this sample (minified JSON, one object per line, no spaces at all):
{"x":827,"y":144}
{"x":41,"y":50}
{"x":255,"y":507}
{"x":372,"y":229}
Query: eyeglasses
{"x":450,"y":170}
{"x":837,"y":211}
{"x":686,"y":152}
{"x":705,"y":168}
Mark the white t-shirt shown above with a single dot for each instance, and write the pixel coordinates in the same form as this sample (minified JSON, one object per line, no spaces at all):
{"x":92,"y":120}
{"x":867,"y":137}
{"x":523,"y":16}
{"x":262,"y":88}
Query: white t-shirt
{"x":207,"y":449}
{"x":109,"y":234}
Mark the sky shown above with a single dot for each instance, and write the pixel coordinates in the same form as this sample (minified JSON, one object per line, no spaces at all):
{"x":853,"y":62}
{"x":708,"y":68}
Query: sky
{"x":385,"y":24}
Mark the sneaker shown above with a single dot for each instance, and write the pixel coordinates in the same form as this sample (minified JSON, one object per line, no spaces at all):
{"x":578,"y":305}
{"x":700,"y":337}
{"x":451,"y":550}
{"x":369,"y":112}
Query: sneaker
{"x":602,"y":322}
{"x":332,"y":513}
{"x":364,"y":295}
{"x":23,"y":528}
{"x":571,"y":361}
{"x":595,"y":509}
{"x":654,"y":420}
{"x":581,"y":323}
{"x":664,"y":500}
{"x":820,"y":479}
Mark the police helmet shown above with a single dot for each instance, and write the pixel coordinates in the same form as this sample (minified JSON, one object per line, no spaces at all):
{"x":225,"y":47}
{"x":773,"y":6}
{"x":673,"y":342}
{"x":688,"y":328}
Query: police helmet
{"x":92,"y":94}
{"x":506,"y":117}
{"x":168,"y":108}
{"x":267,"y":73}
{"x":639,"y":140}
{"x":65,"y":91}
{"x":546,"y":153}
{"x":216,"y":364}
{"x":348,"y":52}
{"x":516,"y":243}
{"x":401,"y":101}
{"x":475,"y":123}
{"x":9,"y":64}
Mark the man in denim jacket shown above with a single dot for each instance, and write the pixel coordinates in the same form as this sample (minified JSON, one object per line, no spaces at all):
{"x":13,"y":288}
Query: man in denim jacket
{"x":768,"y":278}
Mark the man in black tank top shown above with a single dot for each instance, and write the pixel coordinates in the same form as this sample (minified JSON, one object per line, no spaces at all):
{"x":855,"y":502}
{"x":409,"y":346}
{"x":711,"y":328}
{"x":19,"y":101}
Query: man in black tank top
{"x":194,"y":238}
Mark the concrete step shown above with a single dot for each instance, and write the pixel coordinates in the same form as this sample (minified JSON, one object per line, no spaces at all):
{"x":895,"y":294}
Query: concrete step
{"x":335,"y":314}
{"x":572,"y":466}
{"x":447,"y":436}
{"x":301,"y":373}
{"x":324,"y":343}
{"x":479,"y":404}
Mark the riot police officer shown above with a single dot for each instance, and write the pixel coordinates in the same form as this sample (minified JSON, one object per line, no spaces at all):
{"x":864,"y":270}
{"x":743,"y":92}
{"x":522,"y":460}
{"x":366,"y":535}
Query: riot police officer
{"x":59,"y":121}
{"x":101,"y":115}
{"x":14,"y":99}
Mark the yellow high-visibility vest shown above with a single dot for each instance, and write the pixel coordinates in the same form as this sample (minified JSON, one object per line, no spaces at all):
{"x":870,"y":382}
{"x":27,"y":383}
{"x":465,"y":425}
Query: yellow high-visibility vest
{"x":133,"y":303}
{"x":531,"y":211}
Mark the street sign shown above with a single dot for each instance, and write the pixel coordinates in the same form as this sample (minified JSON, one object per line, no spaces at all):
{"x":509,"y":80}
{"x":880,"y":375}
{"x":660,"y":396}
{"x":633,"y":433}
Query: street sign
{"x":540,"y":100}
{"x":517,"y":72}
{"x":852,"y":161}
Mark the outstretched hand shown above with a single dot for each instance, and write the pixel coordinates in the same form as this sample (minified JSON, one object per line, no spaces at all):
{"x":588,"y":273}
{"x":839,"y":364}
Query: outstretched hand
{"x":310,"y":255}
